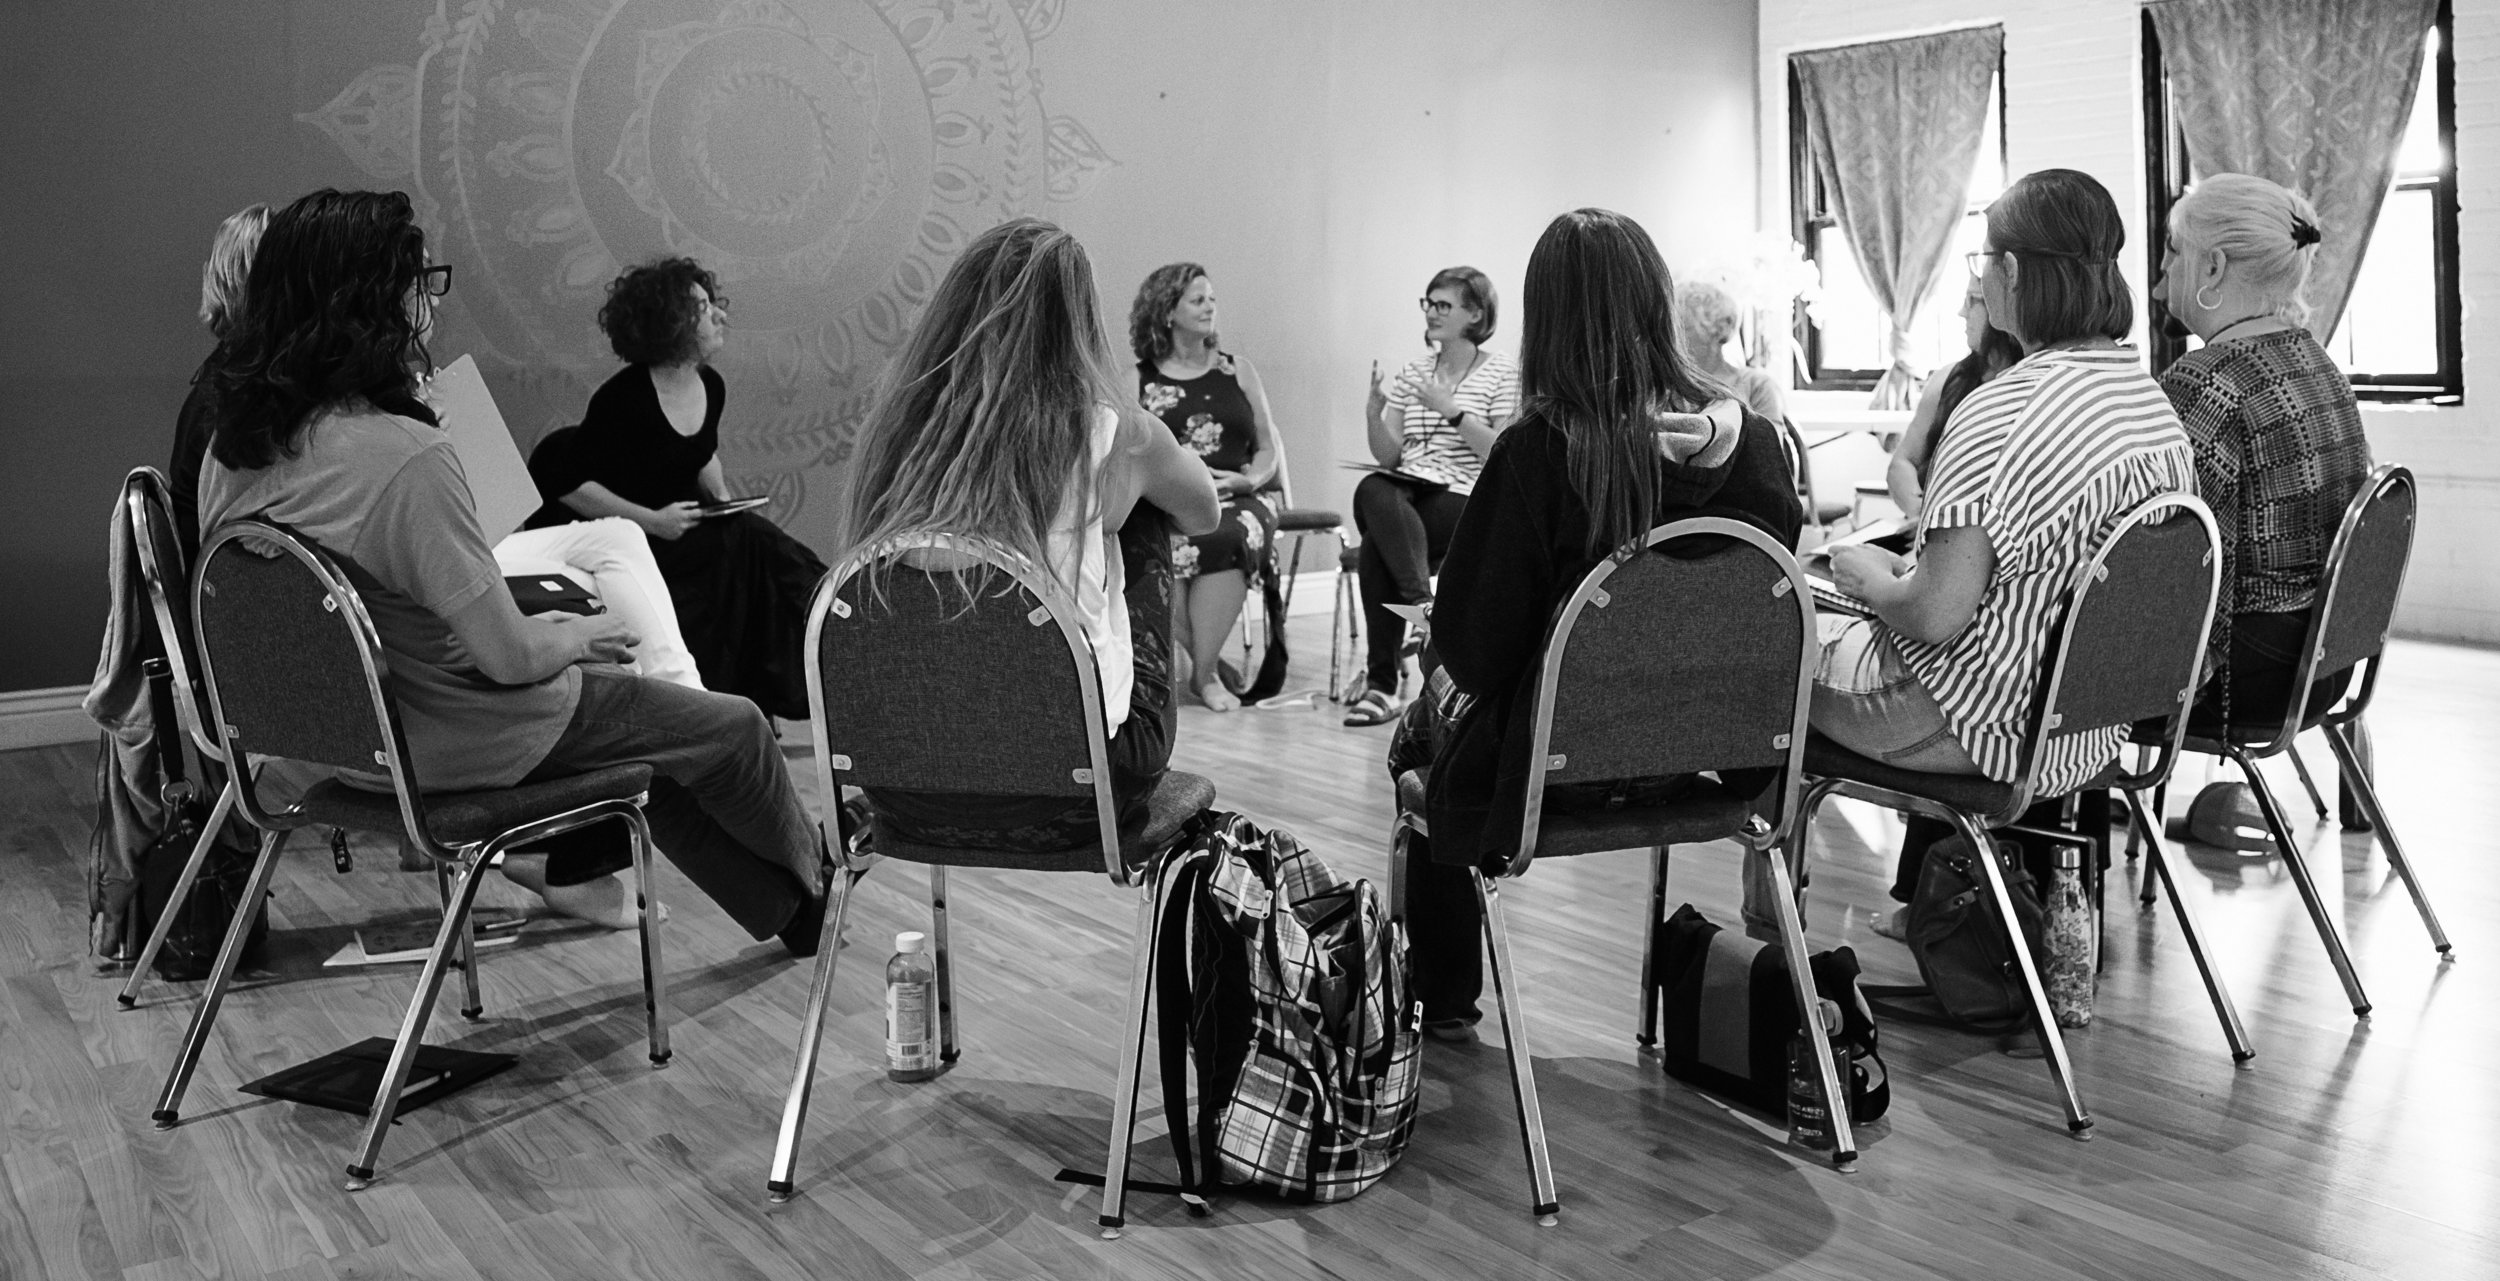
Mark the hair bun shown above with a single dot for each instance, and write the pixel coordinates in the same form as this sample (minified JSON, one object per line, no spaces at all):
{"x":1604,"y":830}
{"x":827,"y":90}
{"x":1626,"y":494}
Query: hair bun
{"x":2305,"y":233}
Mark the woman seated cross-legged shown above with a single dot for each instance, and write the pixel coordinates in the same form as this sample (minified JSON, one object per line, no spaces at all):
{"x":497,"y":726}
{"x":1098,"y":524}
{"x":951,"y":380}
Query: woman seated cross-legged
{"x":1008,"y":417}
{"x":1617,"y":435}
{"x":1213,"y":403}
{"x":648,"y":450}
{"x":2034,"y":469}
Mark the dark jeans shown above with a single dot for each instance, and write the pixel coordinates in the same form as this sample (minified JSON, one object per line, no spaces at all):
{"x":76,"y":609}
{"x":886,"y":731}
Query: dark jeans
{"x":2265,"y":657}
{"x":1444,"y":923}
{"x":1406,"y":527}
{"x":721,"y":807}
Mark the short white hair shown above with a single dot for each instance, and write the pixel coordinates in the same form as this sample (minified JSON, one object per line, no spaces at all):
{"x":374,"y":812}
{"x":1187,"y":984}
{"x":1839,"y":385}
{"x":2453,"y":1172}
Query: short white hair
{"x":229,"y":265}
{"x":2269,"y":233}
{"x":1708,"y":310}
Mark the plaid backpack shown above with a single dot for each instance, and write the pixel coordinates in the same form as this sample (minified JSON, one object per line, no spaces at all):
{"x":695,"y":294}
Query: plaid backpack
{"x":1279,"y":980}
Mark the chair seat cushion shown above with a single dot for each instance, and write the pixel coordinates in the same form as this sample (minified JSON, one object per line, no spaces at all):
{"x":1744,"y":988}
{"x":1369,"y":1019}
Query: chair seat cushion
{"x":1709,"y":813}
{"x":1969,"y":793}
{"x":462,"y":818}
{"x":1307,"y":520}
{"x":1177,"y":799}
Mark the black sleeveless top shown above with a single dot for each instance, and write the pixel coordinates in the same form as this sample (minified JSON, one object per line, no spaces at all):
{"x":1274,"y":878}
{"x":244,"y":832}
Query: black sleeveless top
{"x":1209,"y":414}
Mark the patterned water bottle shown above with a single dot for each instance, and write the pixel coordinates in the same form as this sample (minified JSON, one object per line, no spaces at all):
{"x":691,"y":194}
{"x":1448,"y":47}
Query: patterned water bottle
{"x":2072,"y":944}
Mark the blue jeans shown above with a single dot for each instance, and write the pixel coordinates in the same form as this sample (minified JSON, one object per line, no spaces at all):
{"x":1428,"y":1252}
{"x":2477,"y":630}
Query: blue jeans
{"x":722,"y":807}
{"x":1867,"y":700}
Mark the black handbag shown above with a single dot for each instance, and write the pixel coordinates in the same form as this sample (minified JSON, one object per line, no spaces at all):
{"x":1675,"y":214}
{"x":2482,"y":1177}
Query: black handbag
{"x":1968,"y":969}
{"x":1729,"y":1011}
{"x":199,"y":929}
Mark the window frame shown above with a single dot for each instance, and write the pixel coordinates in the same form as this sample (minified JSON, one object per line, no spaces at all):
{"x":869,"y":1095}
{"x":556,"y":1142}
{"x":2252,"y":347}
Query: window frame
{"x":2165,"y":181}
{"x":1809,"y":214}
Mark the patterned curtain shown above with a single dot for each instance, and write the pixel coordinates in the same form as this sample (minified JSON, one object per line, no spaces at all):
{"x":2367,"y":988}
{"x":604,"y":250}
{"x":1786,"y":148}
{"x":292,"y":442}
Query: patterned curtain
{"x":2312,"y":94}
{"x":1894,"y":128}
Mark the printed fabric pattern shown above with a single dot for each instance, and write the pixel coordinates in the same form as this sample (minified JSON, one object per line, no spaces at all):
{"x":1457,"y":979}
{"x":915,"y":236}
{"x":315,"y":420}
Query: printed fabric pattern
{"x":1327,"y":1097}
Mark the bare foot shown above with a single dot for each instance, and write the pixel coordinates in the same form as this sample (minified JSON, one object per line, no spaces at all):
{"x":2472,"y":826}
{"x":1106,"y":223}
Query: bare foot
{"x":606,"y":902}
{"x":1216,"y":697}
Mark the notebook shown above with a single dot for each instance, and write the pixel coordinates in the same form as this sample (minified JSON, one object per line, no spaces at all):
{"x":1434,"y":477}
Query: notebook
{"x":499,"y":481}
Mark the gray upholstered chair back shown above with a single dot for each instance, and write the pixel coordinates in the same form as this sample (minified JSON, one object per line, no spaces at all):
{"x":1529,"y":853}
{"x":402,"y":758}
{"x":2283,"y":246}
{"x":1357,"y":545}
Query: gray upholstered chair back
{"x":976,"y":682}
{"x":293,"y":664}
{"x":1693,"y":651}
{"x":2136,"y":622}
{"x":2365,"y":571}
{"x":147,"y":507}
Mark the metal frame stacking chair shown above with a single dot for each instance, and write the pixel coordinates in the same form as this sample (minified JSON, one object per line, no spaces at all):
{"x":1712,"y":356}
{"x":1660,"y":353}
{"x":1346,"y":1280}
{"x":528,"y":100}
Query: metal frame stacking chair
{"x":1657,"y":665}
{"x":1301,"y":523}
{"x":974,"y":683}
{"x":147,"y":508}
{"x":2127,"y":647}
{"x":2356,"y":604}
{"x":295,"y":669}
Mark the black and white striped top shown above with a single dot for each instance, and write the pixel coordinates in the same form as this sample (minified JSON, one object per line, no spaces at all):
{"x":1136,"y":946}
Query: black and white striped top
{"x":1433,"y":449}
{"x":2045,"y":460}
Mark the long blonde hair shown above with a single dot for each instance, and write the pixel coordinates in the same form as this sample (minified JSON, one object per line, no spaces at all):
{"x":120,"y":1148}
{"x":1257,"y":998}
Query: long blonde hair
{"x":984,"y":420}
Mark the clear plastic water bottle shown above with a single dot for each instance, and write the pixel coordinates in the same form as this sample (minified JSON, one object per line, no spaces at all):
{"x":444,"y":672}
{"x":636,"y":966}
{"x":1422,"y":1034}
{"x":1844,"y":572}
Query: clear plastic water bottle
{"x":2071,"y":942}
{"x":911,"y":1050}
{"x":1809,"y":1121}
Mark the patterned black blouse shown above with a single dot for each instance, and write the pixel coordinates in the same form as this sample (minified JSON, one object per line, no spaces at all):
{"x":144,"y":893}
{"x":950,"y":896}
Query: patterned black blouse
{"x":2279,"y":455}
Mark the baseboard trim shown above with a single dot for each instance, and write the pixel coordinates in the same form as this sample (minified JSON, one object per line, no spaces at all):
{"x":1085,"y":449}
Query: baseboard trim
{"x":44,"y":718}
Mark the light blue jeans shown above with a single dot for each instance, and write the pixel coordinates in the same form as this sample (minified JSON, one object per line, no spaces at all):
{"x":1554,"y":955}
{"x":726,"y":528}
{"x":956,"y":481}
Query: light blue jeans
{"x":1866,"y":699}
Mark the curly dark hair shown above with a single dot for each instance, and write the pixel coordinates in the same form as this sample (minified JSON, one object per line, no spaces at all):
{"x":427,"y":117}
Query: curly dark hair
{"x":1148,"y":335}
{"x":649,"y":317}
{"x":326,"y":319}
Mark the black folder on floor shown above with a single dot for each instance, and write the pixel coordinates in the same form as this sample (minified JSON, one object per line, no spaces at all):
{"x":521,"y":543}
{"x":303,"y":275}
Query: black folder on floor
{"x":345,"y":1080}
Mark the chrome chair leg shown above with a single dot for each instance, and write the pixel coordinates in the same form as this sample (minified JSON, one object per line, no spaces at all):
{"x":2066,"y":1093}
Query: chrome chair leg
{"x":948,"y":1052}
{"x":473,"y":1005}
{"x":2307,"y":784}
{"x":654,"y":970}
{"x":782,"y":1182}
{"x":2052,"y":1044}
{"x":1522,"y":1068}
{"x":2161,"y":801}
{"x":1809,"y":1003}
{"x":169,"y":1102}
{"x":2158,"y":867}
{"x":1135,"y":1014}
{"x":2298,"y":866}
{"x":2357,"y":780}
{"x":174,"y":902}
{"x":1647,"y":1037}
{"x":454,"y":930}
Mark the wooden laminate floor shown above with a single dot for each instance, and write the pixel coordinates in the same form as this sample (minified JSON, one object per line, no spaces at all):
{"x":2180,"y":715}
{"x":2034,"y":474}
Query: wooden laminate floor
{"x":2348,"y":1149}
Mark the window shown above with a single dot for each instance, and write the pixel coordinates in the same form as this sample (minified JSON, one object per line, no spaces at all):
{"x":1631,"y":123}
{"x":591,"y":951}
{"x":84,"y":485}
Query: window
{"x":2399,"y":337}
{"x":1845,"y":337}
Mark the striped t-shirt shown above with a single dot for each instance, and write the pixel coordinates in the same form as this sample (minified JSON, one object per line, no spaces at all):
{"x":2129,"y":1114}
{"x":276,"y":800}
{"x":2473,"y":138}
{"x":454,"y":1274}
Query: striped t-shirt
{"x":1433,"y":449}
{"x":2044,"y":460}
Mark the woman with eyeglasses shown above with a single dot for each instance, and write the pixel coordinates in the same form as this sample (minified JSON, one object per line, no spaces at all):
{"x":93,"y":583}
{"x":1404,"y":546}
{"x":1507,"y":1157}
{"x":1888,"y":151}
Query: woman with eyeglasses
{"x":648,"y":450}
{"x":1430,"y":430}
{"x":319,"y":428}
{"x":2034,"y":468}
{"x":1992,"y":352}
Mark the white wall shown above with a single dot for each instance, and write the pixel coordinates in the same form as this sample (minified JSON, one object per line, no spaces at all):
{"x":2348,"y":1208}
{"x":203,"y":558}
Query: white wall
{"x":2073,"y":98}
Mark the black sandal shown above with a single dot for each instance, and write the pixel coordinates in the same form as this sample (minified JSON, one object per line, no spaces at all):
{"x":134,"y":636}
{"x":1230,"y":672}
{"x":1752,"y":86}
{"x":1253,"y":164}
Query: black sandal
{"x":1375,"y":707}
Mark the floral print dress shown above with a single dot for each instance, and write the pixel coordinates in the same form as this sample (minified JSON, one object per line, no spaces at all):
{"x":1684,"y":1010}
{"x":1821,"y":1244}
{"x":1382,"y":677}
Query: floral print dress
{"x":1212,"y":418}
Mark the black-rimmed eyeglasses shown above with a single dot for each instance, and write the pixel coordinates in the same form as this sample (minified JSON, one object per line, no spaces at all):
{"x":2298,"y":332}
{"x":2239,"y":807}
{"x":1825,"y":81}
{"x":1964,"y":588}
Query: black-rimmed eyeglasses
{"x":1978,"y":260}
{"x":435,"y":280}
{"x":1435,"y":306}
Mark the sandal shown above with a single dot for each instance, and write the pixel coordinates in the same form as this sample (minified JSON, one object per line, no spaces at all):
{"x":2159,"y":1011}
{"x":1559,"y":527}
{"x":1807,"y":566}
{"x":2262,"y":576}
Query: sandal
{"x":1375,"y":707}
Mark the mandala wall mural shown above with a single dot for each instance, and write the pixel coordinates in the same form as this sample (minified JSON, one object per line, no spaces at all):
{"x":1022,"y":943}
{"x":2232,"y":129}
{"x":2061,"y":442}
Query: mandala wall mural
{"x":826,"y":158}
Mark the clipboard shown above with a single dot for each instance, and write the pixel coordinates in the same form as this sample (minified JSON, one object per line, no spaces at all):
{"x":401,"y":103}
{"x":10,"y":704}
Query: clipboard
{"x":499,"y":481}
{"x":1390,"y":472}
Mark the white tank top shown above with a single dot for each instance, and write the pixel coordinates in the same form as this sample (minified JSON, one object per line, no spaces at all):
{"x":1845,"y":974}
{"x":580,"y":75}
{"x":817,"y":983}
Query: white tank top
{"x":1086,"y":557}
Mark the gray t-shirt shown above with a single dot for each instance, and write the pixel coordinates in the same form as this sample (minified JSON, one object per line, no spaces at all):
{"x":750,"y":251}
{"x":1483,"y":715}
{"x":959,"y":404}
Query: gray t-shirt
{"x":386,"y":496}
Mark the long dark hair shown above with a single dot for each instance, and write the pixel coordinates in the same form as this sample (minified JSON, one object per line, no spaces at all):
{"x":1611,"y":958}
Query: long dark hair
{"x":1598,"y":360}
{"x":987,"y":417}
{"x":326,"y":320}
{"x":1149,"y":318}
{"x":1997,"y":351}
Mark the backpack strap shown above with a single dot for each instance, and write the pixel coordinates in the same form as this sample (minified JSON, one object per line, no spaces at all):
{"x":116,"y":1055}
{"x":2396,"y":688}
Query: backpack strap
{"x":1887,"y":999}
{"x":1176,"y":1000}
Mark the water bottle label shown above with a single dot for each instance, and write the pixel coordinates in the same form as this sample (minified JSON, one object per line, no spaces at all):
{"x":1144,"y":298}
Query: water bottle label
{"x":909,"y":1046}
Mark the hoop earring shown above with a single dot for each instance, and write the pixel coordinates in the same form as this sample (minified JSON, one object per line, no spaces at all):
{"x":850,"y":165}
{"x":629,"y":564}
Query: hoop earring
{"x":2215,"y":305}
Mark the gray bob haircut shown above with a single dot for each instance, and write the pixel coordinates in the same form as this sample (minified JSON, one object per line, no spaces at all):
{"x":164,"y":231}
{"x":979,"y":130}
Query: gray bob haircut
{"x":229,"y":265}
